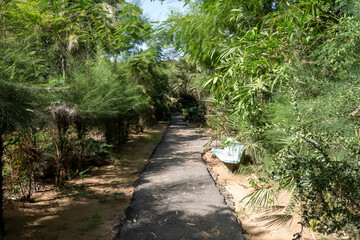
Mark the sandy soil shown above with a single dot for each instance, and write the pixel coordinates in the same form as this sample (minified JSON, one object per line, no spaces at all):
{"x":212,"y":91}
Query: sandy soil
{"x":255,"y":224}
{"x":88,"y":208}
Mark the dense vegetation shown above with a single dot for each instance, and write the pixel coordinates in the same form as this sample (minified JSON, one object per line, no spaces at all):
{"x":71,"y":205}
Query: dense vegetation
{"x":75,"y":80}
{"x":280,"y":76}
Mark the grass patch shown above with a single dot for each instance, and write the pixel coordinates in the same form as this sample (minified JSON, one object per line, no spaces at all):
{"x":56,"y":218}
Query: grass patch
{"x":151,"y":137}
{"x":74,"y":190}
{"x":113,"y":196}
{"x":92,"y":222}
{"x":123,"y":162}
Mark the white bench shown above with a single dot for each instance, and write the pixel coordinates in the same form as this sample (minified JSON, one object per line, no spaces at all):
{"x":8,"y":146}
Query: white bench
{"x":231,"y":154}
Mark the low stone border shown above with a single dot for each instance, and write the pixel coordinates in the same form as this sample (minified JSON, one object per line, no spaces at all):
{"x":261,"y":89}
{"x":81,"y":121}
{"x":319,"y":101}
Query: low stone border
{"x":228,"y":197}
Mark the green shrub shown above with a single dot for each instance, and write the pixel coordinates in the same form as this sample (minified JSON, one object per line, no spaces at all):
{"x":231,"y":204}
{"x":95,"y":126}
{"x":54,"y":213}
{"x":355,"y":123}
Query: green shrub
{"x":194,"y":114}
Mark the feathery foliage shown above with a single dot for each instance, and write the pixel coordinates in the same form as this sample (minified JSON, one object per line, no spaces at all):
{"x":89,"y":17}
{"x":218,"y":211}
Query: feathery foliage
{"x":283,"y":81}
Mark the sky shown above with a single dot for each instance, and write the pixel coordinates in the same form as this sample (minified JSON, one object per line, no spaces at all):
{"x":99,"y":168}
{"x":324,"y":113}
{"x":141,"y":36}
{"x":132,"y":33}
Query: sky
{"x":158,"y":11}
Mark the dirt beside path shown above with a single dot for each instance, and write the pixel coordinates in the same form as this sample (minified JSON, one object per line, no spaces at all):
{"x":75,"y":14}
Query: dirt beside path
{"x":257,"y":225}
{"x":87,"y":208}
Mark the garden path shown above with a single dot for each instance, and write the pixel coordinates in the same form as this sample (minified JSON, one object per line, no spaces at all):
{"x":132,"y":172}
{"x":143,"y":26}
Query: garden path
{"x":175,"y":197}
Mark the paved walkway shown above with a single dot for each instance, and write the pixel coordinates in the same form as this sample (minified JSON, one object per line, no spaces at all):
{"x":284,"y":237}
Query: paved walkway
{"x":175,"y":197}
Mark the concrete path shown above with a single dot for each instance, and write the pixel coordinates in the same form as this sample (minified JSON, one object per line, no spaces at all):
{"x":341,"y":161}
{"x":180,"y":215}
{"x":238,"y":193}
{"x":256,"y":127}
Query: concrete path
{"x":175,"y":197}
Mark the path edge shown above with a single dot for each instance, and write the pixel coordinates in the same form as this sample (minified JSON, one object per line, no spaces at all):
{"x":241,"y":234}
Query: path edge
{"x":228,"y":197}
{"x":135,"y":184}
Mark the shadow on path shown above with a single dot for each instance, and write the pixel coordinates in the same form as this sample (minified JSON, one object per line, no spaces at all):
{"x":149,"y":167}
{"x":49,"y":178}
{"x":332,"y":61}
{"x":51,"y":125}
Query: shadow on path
{"x":175,"y":197}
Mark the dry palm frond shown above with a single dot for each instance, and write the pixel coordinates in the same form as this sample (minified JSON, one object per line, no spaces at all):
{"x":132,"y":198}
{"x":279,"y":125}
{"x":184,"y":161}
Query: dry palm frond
{"x":273,"y":209}
{"x":276,"y":220}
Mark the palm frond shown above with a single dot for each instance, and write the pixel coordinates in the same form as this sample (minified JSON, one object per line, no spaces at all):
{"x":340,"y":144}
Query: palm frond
{"x":276,"y":220}
{"x":261,"y":198}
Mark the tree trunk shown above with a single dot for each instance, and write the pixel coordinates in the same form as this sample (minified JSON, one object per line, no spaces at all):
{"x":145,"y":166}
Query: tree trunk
{"x":28,"y":197}
{"x":2,"y":225}
{"x":63,"y":65}
{"x":109,"y":132}
{"x":62,"y":163}
{"x":80,"y":133}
